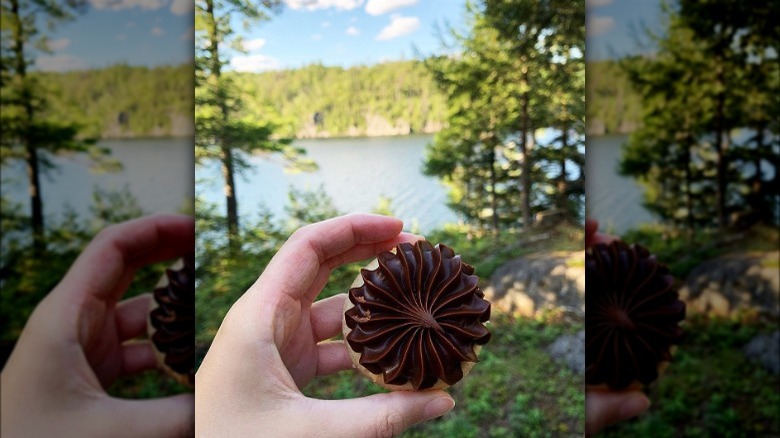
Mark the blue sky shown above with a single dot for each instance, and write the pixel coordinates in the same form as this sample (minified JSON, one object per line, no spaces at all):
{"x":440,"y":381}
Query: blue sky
{"x":333,"y":32}
{"x":346,"y":32}
{"x":136,"y":32}
{"x":613,"y":26}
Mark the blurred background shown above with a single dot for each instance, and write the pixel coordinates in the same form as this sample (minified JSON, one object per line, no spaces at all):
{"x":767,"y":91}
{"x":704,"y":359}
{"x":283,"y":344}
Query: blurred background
{"x":683,"y":154}
{"x":463,"y":118}
{"x":96,"y":121}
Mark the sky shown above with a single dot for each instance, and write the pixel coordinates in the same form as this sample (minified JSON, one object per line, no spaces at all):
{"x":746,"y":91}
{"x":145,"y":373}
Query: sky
{"x":613,"y":26}
{"x":346,"y":33}
{"x":136,"y":32}
{"x":332,"y":32}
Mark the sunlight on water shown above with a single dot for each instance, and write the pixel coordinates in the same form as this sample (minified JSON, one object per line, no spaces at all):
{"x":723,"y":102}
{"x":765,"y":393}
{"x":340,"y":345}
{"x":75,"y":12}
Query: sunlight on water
{"x":355,"y":173}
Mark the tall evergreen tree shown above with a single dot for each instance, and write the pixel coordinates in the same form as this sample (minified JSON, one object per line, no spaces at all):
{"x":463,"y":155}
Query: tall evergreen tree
{"x":29,"y":133}
{"x":517,"y":71}
{"x":714,"y":73}
{"x":219,"y":134}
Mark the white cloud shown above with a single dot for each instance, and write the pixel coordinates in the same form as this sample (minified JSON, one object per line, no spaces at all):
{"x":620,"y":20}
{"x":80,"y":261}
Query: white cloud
{"x":59,"y":63}
{"x":127,"y":4}
{"x":58,"y":44}
{"x":352,"y":31}
{"x":157,"y":31}
{"x":311,"y":5}
{"x":182,"y":7}
{"x":597,"y":3}
{"x":325,"y":24}
{"x":599,"y":25}
{"x":254,"y":44}
{"x":254,"y":63}
{"x":399,"y":26}
{"x":379,"y":7}
{"x":316,"y":37}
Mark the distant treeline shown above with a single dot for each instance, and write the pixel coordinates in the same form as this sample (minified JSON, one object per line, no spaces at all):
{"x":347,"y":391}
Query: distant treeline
{"x":123,"y":101}
{"x":613,"y":107}
{"x":314,"y":101}
{"x":401,"y":98}
{"x":317,"y":101}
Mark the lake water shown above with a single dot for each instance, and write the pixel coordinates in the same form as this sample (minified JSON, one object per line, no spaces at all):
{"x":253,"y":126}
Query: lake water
{"x":158,"y":172}
{"x":615,"y":201}
{"x":354,"y":172}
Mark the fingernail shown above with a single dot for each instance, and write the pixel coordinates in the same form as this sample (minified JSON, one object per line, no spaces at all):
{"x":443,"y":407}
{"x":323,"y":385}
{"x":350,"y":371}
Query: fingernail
{"x":634,"y":406}
{"x":438,"y":407}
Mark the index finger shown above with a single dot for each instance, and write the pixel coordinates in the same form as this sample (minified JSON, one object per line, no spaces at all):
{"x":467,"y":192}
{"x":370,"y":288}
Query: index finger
{"x":107,"y":265}
{"x":347,"y":238}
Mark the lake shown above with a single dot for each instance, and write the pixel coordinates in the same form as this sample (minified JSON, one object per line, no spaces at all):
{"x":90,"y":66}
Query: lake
{"x":354,"y":172}
{"x":615,"y":201}
{"x":158,"y":172}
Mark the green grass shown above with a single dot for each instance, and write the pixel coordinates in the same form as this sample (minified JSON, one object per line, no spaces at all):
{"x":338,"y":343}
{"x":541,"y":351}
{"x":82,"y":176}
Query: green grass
{"x":515,"y":389}
{"x":711,"y":388}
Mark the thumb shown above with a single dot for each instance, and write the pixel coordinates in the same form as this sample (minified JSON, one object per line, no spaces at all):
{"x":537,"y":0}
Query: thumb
{"x":604,"y":408}
{"x":161,"y":417}
{"x":385,"y":415}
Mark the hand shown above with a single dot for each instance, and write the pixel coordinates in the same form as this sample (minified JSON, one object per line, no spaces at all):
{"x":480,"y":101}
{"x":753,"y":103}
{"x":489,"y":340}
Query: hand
{"x":605,"y":407}
{"x":272,"y":343}
{"x":592,"y":236}
{"x":78,"y":341}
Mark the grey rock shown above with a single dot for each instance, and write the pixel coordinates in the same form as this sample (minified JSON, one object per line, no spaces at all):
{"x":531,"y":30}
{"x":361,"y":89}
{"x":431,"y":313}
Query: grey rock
{"x":529,"y":286}
{"x":570,"y":351}
{"x":734,"y":283}
{"x":766,"y":350}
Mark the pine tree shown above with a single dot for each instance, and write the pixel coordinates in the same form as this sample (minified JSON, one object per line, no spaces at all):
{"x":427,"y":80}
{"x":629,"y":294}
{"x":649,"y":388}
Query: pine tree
{"x":220,"y":133}
{"x":715,"y":72}
{"x":519,"y":70}
{"x":30,"y":133}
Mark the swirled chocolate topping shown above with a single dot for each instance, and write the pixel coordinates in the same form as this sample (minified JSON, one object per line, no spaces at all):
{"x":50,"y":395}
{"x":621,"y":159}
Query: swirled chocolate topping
{"x":632,"y":315}
{"x":418,"y":316}
{"x":174,"y":319}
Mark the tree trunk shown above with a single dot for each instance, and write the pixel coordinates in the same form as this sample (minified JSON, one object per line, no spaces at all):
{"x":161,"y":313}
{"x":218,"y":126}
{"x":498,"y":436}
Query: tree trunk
{"x":562,"y":186}
{"x":493,"y":181}
{"x":230,"y":187}
{"x":688,"y":179}
{"x":524,"y":150}
{"x":760,"y":205}
{"x":31,"y":153}
{"x":36,"y":204}
{"x":226,"y":154}
{"x":722,"y":165}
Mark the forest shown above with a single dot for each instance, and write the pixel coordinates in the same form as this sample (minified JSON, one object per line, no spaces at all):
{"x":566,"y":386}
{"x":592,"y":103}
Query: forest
{"x":122,"y":101}
{"x":116,"y":101}
{"x":707,"y":146}
{"x":390,"y":98}
{"x":352,"y":101}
